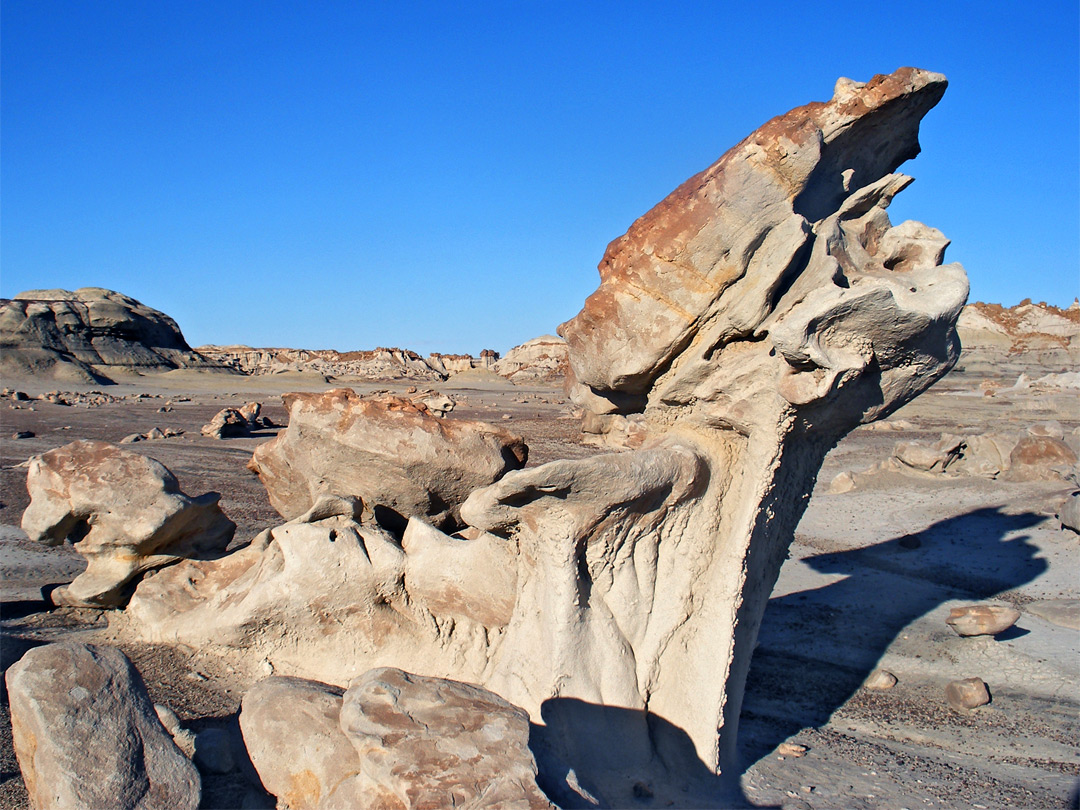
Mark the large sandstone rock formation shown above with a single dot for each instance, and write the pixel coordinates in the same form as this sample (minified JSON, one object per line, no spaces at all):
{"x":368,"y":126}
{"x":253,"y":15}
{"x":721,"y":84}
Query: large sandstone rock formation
{"x":124,"y":512}
{"x":742,"y":327}
{"x":86,"y":335}
{"x":87,"y":736}
{"x":391,"y":452}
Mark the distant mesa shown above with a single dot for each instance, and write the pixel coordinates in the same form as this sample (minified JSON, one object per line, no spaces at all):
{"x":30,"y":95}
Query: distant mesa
{"x":93,"y":335}
{"x":89,"y":335}
{"x":543,"y":359}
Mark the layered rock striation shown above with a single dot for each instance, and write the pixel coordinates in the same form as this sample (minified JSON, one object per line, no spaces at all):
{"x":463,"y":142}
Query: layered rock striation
{"x":88,"y":335}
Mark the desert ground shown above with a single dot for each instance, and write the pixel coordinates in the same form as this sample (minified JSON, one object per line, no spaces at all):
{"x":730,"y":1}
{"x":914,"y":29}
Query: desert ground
{"x":870,"y":580}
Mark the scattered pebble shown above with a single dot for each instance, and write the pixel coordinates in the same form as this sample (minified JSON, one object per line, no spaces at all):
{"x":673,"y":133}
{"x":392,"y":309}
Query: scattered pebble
{"x":880,"y":679}
{"x":969,"y":693}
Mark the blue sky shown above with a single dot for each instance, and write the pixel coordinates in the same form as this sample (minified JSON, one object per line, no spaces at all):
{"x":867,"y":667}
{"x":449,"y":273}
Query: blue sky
{"x":445,"y":176}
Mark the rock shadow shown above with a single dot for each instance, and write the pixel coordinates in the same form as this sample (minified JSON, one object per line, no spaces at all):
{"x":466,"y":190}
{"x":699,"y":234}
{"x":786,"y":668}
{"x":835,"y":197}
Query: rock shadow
{"x":591,"y":756}
{"x":816,"y":647}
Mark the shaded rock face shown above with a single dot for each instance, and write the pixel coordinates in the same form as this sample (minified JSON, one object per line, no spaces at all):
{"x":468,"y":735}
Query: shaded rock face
{"x":124,"y":512}
{"x":82,"y":336}
{"x":86,"y":734}
{"x":742,"y":327}
{"x":390,"y":452}
{"x":392,"y":739}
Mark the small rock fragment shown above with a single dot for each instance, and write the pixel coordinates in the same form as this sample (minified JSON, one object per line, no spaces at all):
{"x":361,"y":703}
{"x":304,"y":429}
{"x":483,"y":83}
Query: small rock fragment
{"x":880,"y":679}
{"x":168,"y":718}
{"x":844,"y":482}
{"x":791,"y":749}
{"x":23,"y":434}
{"x":982,"y":620}
{"x":969,"y":693}
{"x":1068,"y":514}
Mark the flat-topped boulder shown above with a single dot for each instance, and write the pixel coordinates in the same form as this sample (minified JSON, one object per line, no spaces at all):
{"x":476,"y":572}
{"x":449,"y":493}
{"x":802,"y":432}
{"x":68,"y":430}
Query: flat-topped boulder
{"x":391,"y":452}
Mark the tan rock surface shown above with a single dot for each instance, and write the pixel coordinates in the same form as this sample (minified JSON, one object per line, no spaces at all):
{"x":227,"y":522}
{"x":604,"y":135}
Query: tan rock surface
{"x":982,"y":620}
{"x":293,"y":737}
{"x":124,"y":512}
{"x":427,"y":742}
{"x":87,"y":736}
{"x":969,"y":693}
{"x":395,"y":456}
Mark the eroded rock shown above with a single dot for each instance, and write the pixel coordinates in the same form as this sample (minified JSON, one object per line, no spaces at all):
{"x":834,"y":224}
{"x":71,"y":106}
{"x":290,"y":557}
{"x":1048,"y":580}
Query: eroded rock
{"x":291,"y":733}
{"x":982,"y":620}
{"x":967,"y":694}
{"x":392,"y":739}
{"x":395,"y":456}
{"x":427,"y":742}
{"x":122,"y":511}
{"x":86,"y":734}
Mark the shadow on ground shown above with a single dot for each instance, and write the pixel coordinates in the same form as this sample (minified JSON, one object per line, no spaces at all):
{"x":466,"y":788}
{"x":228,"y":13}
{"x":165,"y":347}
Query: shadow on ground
{"x":816,"y":647}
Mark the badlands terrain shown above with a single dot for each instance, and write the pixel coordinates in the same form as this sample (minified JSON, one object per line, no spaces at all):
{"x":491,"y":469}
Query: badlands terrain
{"x":777,"y":522}
{"x":871,"y":577}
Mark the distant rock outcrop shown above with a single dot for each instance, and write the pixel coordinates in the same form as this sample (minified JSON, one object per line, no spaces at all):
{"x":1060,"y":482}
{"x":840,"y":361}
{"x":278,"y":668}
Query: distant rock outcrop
{"x":377,"y":364}
{"x":542,"y":359}
{"x":86,"y":336}
{"x":1025,"y":326}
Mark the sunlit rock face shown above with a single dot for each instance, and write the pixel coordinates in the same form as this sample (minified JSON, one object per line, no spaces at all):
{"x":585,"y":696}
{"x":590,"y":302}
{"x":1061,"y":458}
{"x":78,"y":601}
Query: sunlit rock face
{"x":743,"y":326}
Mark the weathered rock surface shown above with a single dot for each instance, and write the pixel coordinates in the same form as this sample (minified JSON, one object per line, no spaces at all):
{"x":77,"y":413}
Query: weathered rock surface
{"x":969,"y":693}
{"x":427,"y":742}
{"x":292,"y":736}
{"x":124,"y":512}
{"x":1024,"y":327}
{"x":394,"y":455}
{"x":1040,"y":458}
{"x":86,"y":335}
{"x":749,"y":321}
{"x":542,"y":359}
{"x":982,"y":620}
{"x":880,"y":680}
{"x":392,"y":739}
{"x":1062,"y":612}
{"x":87,"y":736}
{"x":376,"y":364}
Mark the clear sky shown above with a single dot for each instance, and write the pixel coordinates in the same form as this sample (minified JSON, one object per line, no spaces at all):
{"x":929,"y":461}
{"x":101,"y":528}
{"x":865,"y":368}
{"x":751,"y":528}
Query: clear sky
{"x":445,"y":176}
